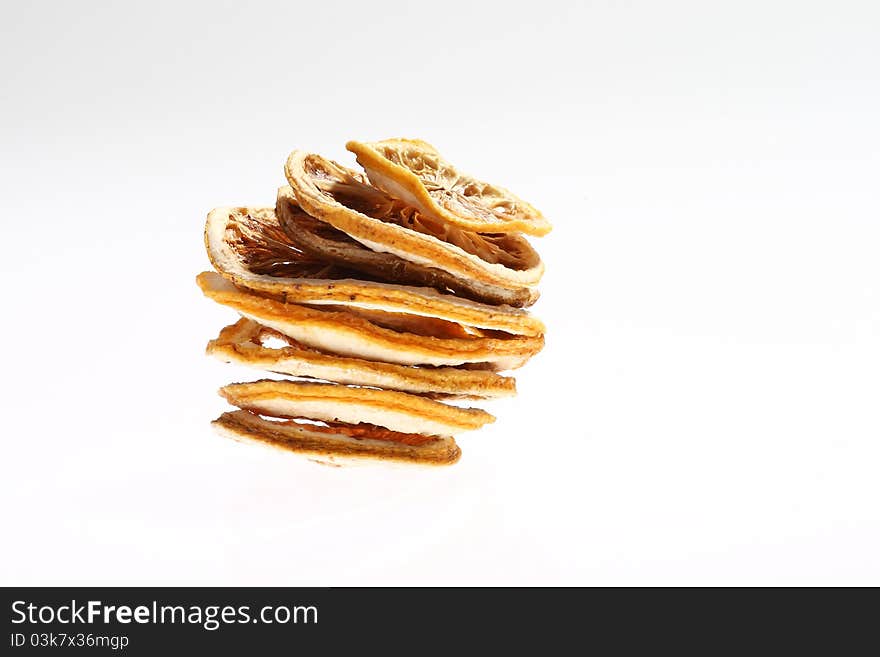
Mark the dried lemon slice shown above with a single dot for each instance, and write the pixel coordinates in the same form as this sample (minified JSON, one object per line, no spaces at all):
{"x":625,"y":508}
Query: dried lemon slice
{"x":335,"y":444}
{"x":397,"y":411}
{"x":324,"y":242}
{"x":250,"y":248}
{"x":414,"y":172}
{"x":343,"y":198}
{"x":244,"y":343}
{"x":346,"y":334}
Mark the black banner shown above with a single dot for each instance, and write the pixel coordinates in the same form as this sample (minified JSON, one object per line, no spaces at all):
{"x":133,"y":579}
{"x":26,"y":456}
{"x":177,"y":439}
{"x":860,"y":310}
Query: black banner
{"x":135,"y":621}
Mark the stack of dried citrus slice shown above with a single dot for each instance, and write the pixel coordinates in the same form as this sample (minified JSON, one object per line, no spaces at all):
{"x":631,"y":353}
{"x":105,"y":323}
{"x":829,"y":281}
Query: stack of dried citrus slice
{"x":386,"y":298}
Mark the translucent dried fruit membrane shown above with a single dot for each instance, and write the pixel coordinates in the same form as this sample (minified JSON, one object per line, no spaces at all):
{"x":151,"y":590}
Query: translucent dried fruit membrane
{"x":414,"y":171}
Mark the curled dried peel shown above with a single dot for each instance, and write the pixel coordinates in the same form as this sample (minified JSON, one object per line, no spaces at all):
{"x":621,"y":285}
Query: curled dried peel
{"x":345,"y":334}
{"x":249,"y":248}
{"x":414,"y":172}
{"x":322,"y":241}
{"x":332,"y":448}
{"x":329,"y":402}
{"x":342,"y":198}
{"x":242,"y":343}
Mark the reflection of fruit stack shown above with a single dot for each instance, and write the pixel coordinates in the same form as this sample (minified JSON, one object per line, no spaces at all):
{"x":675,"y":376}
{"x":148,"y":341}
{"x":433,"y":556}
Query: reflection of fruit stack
{"x":397,"y":291}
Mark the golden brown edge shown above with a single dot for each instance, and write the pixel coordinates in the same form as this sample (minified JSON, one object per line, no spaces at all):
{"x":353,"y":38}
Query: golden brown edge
{"x":245,"y":426}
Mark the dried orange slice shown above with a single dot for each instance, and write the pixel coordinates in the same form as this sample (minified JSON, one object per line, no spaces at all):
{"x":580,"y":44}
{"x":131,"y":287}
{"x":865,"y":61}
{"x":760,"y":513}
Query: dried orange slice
{"x":249,"y":247}
{"x":342,"y":197}
{"x":246,"y":343}
{"x":398,"y":411}
{"x":320,"y":240}
{"x":414,"y":172}
{"x":346,"y":334}
{"x":337,"y":446}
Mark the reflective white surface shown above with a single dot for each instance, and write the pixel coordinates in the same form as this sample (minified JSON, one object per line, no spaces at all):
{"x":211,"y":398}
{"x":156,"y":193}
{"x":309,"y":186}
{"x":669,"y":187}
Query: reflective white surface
{"x":706,"y":408}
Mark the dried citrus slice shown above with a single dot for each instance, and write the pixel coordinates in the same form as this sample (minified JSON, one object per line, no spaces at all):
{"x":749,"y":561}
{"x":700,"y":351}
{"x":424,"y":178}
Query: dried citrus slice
{"x":322,"y":241}
{"x":414,"y":172}
{"x":245,"y":343}
{"x":346,"y":334}
{"x":343,"y":198}
{"x":397,"y":411}
{"x":336,"y":446}
{"x":250,"y":248}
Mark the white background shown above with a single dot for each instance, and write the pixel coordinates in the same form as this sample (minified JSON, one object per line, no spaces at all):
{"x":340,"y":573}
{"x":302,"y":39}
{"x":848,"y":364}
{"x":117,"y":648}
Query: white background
{"x":707,"y":408}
